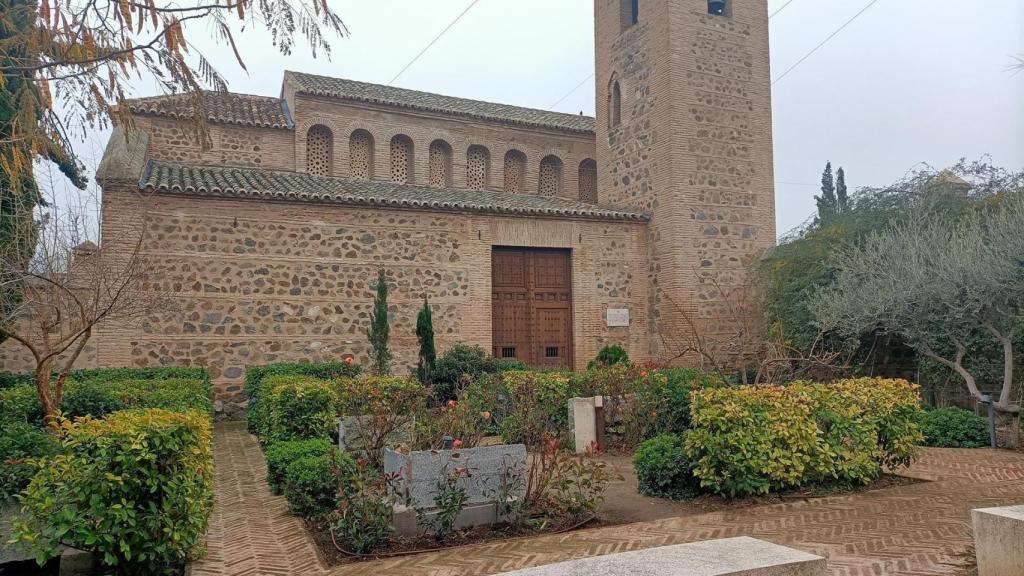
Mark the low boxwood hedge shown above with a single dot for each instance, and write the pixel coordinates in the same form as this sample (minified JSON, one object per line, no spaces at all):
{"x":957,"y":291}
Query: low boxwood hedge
{"x":663,"y":469}
{"x":281,"y":454}
{"x":255,"y":376}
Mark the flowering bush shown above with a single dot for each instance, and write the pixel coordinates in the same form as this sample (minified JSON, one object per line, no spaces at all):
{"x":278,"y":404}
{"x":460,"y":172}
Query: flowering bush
{"x":362,"y":520}
{"x":383,"y":406}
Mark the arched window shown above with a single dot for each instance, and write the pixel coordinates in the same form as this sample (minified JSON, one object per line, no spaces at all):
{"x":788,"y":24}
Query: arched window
{"x":360,"y":154}
{"x":515,"y":171}
{"x":550,"y":179}
{"x":614,"y":104}
{"x":319,"y":149}
{"x":440,"y":164}
{"x":401,"y":159}
{"x":478,"y":167}
{"x":588,"y":181}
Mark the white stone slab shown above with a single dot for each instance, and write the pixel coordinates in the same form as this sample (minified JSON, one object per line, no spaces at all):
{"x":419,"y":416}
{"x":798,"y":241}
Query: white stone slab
{"x":617,"y":317}
{"x":741,"y":556}
{"x":999,"y":540}
{"x":583,"y":420}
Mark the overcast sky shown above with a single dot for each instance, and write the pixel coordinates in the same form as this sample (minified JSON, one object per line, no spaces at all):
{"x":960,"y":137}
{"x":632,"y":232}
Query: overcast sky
{"x":910,"y":81}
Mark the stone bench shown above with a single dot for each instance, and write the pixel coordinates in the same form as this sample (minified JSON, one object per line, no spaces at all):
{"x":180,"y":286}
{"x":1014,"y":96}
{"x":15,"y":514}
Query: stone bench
{"x":999,"y":540}
{"x":727,"y":557}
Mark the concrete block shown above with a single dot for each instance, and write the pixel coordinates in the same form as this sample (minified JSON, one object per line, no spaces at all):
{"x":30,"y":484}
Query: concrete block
{"x":741,"y":556}
{"x":407,"y":525}
{"x":490,"y":473}
{"x":583,"y":418}
{"x":999,"y":540}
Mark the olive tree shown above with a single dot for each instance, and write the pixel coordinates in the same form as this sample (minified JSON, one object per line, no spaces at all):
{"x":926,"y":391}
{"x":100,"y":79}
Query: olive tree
{"x":937,"y":284}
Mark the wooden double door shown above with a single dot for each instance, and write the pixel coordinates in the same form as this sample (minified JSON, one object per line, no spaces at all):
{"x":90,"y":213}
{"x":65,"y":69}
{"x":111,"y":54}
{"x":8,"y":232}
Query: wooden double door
{"x":531,"y":310}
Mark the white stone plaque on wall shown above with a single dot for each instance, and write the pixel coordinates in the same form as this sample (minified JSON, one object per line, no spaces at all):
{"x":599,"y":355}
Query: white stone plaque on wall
{"x":618,"y":317}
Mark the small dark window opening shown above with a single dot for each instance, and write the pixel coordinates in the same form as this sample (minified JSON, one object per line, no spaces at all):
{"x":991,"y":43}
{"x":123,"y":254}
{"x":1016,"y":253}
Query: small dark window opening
{"x":509,"y":352}
{"x":718,"y":7}
{"x":551,"y":352}
{"x":629,"y":13}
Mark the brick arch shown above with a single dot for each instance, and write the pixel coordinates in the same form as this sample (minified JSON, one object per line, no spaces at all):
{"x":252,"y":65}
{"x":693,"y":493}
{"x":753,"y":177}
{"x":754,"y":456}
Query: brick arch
{"x":440,"y":163}
{"x":403,"y":156}
{"x":361,"y":154}
{"x":549,"y":180}
{"x":478,"y":167}
{"x":588,"y":181}
{"x":320,"y":150}
{"x":515,"y":171}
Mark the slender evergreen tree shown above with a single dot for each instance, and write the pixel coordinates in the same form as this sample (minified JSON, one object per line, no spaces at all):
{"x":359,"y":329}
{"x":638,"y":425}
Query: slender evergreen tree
{"x":379,"y":330}
{"x":428,"y":354}
{"x":827,"y":201}
{"x":842,"y":196}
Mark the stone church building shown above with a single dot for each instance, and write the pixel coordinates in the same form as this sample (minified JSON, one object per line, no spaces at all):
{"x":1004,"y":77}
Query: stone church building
{"x":538,"y":235}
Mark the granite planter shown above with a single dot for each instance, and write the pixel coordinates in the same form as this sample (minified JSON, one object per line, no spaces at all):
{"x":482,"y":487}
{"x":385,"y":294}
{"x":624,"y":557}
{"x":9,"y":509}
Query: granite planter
{"x":492,"y":477}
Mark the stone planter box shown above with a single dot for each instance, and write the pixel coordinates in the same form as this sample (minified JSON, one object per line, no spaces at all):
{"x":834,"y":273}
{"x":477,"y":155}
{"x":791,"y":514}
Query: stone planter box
{"x":999,"y":540}
{"x":493,"y":473}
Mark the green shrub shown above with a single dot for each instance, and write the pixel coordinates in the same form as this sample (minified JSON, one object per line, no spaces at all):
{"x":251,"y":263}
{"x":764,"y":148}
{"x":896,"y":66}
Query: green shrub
{"x":534,"y":404}
{"x":134,"y":488}
{"x":20,"y":443}
{"x":365,"y":507}
{"x":281,"y":454}
{"x":256,"y":416}
{"x":663,"y":469}
{"x":752,"y":440}
{"x":663,"y":397}
{"x":460,"y":365}
{"x":150,"y":373}
{"x":954,"y":428}
{"x":609,"y":356}
{"x":311,"y":482}
{"x":300,"y":407}
{"x":90,"y":399}
{"x":11,"y":380}
{"x":21,"y":404}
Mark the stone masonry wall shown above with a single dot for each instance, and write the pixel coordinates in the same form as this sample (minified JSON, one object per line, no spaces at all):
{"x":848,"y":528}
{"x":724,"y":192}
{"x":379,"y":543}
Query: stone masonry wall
{"x":245,"y":146}
{"x":259,"y":282}
{"x":693,"y":147}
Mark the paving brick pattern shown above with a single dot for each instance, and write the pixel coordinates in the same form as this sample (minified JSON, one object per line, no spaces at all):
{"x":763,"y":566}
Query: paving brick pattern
{"x":913,"y":530}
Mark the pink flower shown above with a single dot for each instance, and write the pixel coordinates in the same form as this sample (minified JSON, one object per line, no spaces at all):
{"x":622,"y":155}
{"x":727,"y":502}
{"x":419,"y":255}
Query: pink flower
{"x":486,"y":415}
{"x":457,"y":443}
{"x":451,"y":403}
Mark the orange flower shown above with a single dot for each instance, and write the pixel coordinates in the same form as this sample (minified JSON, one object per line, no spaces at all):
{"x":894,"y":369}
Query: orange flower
{"x":486,"y":415}
{"x":457,"y":443}
{"x":654,"y":413}
{"x":643,"y":373}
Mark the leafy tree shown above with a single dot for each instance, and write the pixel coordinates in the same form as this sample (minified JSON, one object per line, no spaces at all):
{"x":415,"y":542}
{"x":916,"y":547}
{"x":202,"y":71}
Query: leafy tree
{"x":428,"y":353}
{"x":379,"y":330}
{"x":937,"y":283}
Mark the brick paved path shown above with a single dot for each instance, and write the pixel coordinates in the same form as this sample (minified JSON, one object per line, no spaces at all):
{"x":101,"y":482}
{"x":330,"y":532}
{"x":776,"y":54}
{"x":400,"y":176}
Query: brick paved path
{"x":914,"y":530}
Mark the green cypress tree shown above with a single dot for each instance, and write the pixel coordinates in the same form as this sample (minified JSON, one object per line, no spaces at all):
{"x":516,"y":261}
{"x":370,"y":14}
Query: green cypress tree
{"x":842,"y":196}
{"x":428,"y":354}
{"x":379,"y":330}
{"x":827,"y":201}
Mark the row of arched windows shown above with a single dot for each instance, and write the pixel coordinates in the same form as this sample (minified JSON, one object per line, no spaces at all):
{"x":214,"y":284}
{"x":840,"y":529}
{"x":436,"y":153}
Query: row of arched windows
{"x":320,"y":153}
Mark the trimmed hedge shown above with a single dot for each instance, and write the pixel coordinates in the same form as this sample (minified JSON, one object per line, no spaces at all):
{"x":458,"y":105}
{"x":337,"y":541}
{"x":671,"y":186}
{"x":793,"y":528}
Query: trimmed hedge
{"x":98,"y":398}
{"x":295,"y":408}
{"x":255,"y":415}
{"x":753,"y":440}
{"x":663,"y":397}
{"x":135,"y":488}
{"x":311,"y":483}
{"x":954,"y":428}
{"x":281,"y":454}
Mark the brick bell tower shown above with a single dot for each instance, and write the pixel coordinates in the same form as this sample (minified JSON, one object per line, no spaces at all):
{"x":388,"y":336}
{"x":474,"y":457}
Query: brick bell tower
{"x":684,"y":132}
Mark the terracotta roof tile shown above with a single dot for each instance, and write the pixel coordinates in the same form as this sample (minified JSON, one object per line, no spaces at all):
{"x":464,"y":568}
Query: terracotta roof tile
{"x":221,"y":182}
{"x":391,"y":96}
{"x":225,"y":107}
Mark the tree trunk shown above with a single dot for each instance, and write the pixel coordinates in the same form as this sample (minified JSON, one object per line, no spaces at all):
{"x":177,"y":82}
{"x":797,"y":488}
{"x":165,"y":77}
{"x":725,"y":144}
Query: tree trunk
{"x":46,"y":398}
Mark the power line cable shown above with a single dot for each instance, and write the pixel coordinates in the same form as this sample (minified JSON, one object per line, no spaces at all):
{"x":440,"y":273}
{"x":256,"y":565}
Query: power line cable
{"x":434,"y":41}
{"x":825,"y":41}
{"x":577,"y":87}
